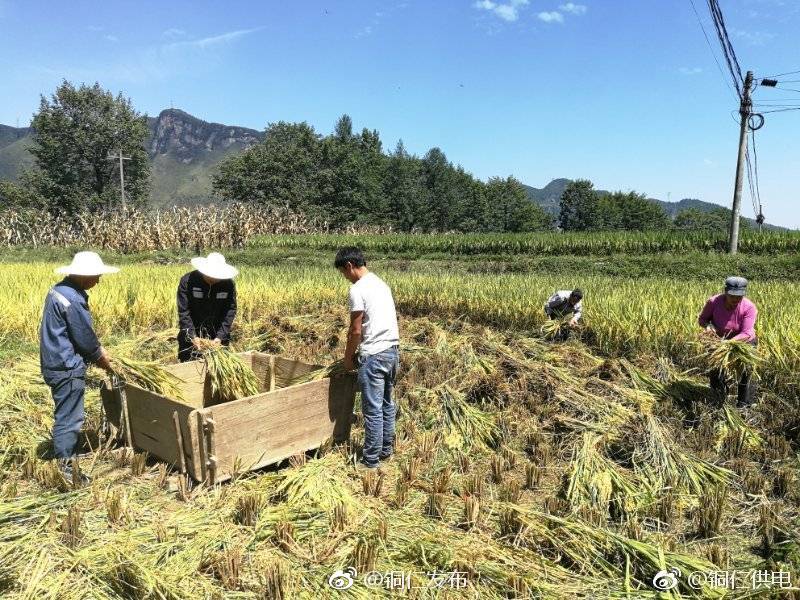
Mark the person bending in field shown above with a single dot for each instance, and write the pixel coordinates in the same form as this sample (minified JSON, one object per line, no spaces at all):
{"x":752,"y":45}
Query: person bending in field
{"x":564,"y":303}
{"x":67,"y":343}
{"x":206,"y":304}
{"x":731,"y":316}
{"x":373,"y":342}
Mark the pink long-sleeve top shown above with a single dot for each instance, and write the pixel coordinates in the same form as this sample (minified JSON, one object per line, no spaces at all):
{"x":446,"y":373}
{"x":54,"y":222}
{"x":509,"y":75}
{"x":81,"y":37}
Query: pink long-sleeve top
{"x":738,"y":324}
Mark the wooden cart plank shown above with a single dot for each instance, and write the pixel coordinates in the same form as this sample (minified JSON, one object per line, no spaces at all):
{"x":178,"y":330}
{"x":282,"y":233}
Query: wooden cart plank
{"x":151,"y":422}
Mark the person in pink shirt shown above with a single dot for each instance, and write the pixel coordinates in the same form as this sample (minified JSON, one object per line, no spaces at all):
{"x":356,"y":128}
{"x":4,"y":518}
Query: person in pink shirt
{"x":731,"y":316}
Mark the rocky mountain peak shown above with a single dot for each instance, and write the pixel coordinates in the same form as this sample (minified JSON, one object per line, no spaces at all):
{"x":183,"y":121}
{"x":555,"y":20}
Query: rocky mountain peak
{"x":188,"y":138}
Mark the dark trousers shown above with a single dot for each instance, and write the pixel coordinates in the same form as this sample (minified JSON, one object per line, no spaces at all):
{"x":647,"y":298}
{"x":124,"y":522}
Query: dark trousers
{"x":746,"y":389}
{"x":68,"y":398}
{"x":376,"y":378}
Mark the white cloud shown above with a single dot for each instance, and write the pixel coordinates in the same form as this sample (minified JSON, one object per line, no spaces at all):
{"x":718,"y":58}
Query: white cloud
{"x":753,"y":38}
{"x":552,"y":16}
{"x":508,"y":11}
{"x":152,"y":63}
{"x":216,"y":40}
{"x":365,"y":31}
{"x":173,"y":33}
{"x":574,"y":9}
{"x":111,"y":38}
{"x":690,"y":70}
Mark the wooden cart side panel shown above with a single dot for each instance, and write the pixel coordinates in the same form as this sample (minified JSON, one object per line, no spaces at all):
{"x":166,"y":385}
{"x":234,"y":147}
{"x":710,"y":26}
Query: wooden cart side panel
{"x":111,"y":403}
{"x":342,"y":398}
{"x":152,"y":425}
{"x":261,"y":368}
{"x":194,"y":383}
{"x":287,"y":370}
{"x":264,"y":429}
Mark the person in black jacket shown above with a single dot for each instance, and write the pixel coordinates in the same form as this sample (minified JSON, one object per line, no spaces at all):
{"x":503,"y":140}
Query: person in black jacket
{"x":206,"y":304}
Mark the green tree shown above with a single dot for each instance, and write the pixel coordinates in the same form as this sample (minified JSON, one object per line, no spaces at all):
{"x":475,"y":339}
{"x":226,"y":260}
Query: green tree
{"x":350,"y":177}
{"x":510,"y":210}
{"x":282,"y":170}
{"x":75,"y":131}
{"x":404,"y":189}
{"x":630,"y":211}
{"x":439,"y":177}
{"x":717,"y":219}
{"x":579,"y":206}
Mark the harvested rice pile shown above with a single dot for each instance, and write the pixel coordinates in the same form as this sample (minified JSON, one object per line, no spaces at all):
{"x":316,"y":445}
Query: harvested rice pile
{"x":231,"y":379}
{"x":534,"y":469}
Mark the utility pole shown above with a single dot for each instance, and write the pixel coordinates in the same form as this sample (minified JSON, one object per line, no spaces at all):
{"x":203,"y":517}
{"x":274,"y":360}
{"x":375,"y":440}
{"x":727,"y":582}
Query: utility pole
{"x":121,"y":158}
{"x":744,"y":112}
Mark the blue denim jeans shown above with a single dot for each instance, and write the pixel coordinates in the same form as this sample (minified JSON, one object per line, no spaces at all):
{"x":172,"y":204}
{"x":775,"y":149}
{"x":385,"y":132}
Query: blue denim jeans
{"x":68,"y":398}
{"x":376,"y":377}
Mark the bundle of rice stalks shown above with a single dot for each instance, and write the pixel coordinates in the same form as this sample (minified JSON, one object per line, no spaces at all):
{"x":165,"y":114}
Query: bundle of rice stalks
{"x":732,"y":358}
{"x":595,"y":482}
{"x":316,"y":483}
{"x":677,"y":387}
{"x":663,"y":463}
{"x":739,"y":433}
{"x":554,"y":329}
{"x":464,"y":424}
{"x":334,"y":369}
{"x":598,"y":550}
{"x":231,"y":379}
{"x":148,"y":375}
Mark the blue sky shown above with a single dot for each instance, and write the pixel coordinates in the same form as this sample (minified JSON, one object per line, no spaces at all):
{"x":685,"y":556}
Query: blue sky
{"x":623,"y":92}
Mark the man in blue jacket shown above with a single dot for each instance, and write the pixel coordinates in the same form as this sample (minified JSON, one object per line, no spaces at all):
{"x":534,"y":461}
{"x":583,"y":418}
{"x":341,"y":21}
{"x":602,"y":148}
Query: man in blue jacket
{"x":67,"y":343}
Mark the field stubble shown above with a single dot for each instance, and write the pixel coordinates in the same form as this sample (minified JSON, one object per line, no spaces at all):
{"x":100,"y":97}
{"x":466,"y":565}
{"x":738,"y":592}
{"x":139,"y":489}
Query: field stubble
{"x":534,"y":468}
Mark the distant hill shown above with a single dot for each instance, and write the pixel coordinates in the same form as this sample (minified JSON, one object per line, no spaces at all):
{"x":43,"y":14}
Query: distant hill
{"x":549,"y":198}
{"x":14,"y":155}
{"x":185,"y":151}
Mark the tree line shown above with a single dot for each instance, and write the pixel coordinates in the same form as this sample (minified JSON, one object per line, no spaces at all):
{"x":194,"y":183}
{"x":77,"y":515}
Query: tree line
{"x":344,"y":178}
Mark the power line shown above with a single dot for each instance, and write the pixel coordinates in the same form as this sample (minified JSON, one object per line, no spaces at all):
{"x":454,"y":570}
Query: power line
{"x":727,"y":48}
{"x":780,"y":75}
{"x":710,"y":47}
{"x":764,"y":112}
{"x":755,"y":172}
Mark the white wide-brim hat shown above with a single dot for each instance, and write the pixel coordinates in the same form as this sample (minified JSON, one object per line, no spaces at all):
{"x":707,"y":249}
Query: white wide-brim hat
{"x":88,"y":264}
{"x":214,"y":266}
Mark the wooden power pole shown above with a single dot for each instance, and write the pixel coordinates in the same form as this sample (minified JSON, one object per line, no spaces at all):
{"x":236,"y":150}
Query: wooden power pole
{"x":121,"y":158}
{"x":744,"y":111}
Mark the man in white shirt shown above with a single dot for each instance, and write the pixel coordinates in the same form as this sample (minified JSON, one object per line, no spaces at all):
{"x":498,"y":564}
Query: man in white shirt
{"x":373,"y":345}
{"x":563,"y":303}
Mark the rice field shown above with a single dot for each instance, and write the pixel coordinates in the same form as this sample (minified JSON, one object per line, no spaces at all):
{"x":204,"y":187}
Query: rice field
{"x":531,"y":469}
{"x":600,"y":243}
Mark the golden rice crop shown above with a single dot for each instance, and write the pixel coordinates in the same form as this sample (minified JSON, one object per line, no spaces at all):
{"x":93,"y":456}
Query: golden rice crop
{"x":230,"y":377}
{"x":149,"y":375}
{"x":627,"y":317}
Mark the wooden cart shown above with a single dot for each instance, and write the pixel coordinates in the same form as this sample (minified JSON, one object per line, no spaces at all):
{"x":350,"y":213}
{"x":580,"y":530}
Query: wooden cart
{"x":213,"y":441}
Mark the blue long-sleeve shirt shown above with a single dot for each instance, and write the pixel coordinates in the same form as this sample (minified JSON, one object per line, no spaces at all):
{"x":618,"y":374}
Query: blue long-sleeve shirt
{"x":67,"y":340}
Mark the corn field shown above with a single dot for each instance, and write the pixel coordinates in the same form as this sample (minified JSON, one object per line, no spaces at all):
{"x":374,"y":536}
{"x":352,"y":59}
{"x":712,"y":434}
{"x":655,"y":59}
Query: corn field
{"x":532,"y":469}
{"x":216,"y":226}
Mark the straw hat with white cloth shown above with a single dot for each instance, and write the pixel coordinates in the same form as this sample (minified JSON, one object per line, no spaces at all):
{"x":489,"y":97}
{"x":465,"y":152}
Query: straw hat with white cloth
{"x":88,"y":264}
{"x":214,"y":266}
